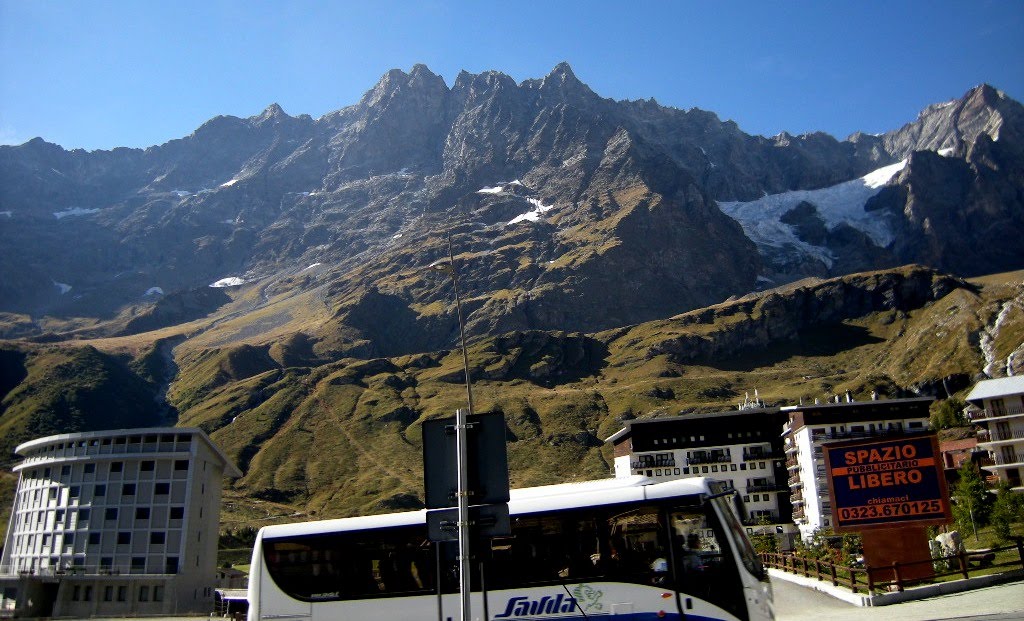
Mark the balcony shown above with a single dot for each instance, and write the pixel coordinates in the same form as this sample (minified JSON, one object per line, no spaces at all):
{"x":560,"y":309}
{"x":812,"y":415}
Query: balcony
{"x":761,"y":455}
{"x":1000,"y":435}
{"x":708,"y":459}
{"x":641,"y":463}
{"x":769,"y":486}
{"x":1006,"y":462}
{"x":1003,"y":412}
{"x":762,"y":518}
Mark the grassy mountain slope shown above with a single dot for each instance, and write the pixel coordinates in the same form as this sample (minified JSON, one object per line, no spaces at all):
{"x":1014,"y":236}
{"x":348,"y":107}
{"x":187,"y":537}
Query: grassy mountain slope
{"x":332,"y":437}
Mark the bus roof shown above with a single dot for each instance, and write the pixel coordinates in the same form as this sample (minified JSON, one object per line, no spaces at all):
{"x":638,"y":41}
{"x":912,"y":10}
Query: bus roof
{"x":522,"y":501}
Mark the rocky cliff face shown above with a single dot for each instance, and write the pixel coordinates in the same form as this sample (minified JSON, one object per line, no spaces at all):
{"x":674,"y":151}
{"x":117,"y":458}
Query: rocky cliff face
{"x":566,"y":210}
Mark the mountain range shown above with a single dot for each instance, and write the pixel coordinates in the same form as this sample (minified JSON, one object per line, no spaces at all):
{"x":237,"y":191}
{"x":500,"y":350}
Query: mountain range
{"x":267,"y":278}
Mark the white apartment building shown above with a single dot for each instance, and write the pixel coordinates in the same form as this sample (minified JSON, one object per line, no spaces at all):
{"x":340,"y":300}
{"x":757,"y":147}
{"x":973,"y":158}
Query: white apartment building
{"x":807,"y":428}
{"x":1001,"y":403}
{"x":114,"y":523}
{"x":743,"y":447}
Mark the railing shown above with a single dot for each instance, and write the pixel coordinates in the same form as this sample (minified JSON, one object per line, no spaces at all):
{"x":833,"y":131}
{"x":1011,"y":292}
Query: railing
{"x":1006,"y":410}
{"x":879,"y":579}
{"x":85,"y":570}
{"x":759,"y":455}
{"x":661,"y":463}
{"x":995,"y":435}
{"x":1002,"y":461}
{"x":708,"y":459}
{"x":766,"y":487}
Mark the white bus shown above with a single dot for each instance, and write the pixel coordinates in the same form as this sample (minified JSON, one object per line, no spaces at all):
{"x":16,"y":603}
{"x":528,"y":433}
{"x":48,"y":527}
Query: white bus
{"x":624,"y":548}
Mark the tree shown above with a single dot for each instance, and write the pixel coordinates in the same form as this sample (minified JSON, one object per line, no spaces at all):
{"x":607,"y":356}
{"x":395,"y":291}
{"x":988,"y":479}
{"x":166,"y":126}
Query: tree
{"x":971,"y":500}
{"x":764,"y":540}
{"x":1007,"y":509}
{"x":946,"y":414}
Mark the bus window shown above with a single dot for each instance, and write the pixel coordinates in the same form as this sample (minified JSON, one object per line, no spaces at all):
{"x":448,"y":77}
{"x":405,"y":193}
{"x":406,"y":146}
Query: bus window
{"x":638,"y":547}
{"x":547,"y":549}
{"x":352,"y":565}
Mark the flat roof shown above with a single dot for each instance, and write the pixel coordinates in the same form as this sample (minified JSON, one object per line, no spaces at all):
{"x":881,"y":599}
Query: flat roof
{"x":687,"y":418}
{"x":999,"y":387}
{"x":230,"y":469}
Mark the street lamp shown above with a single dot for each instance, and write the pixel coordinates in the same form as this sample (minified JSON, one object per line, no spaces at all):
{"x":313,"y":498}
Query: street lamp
{"x":462,"y":461}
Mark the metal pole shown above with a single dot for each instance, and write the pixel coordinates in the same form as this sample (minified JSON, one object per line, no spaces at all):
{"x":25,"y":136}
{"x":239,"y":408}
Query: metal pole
{"x":463,"y":494}
{"x":462,"y":328}
{"x":462,"y":463}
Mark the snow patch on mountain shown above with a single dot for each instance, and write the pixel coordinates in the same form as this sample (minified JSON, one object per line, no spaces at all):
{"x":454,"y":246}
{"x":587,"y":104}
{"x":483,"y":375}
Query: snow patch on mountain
{"x":9,"y":214}
{"x":64,"y":287}
{"x":533,"y":215}
{"x":231,"y":281}
{"x":74,"y":211}
{"x":154,"y":291}
{"x":761,"y":219}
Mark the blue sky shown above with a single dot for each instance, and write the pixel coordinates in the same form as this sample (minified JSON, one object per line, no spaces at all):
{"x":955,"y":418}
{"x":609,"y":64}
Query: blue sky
{"x":101,"y":74}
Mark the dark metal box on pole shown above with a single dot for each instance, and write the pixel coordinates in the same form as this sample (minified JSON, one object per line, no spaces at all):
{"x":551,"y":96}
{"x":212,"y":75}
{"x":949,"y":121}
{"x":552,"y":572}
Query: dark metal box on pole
{"x":487,"y":470}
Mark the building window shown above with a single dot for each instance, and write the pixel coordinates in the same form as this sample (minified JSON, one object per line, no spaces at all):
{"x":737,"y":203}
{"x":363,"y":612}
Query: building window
{"x":177,"y":513}
{"x":157,"y":538}
{"x":90,"y":468}
{"x":76,"y":593}
{"x":128,"y":489}
{"x":142,"y":513}
{"x":181,"y":464}
{"x":106,"y":562}
{"x":94,"y":539}
{"x":162,"y":489}
{"x":110,"y":513}
{"x":147,"y":466}
{"x":138,"y":564}
{"x":65,"y":470}
{"x":108,"y":593}
{"x":144,"y":593}
{"x":171,"y":565}
{"x":124,"y":538}
{"x":158,"y":593}
{"x":83,"y":517}
{"x":87,"y":593}
{"x":53,"y":493}
{"x":74,"y":492}
{"x":99,"y":490}
{"x":117,"y":466}
{"x":122,"y":593}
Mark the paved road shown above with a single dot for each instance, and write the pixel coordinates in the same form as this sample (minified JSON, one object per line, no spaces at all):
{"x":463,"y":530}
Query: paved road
{"x":796,"y":603}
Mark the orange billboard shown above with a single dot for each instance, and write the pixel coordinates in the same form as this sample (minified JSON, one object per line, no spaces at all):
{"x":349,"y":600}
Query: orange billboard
{"x":885,"y":483}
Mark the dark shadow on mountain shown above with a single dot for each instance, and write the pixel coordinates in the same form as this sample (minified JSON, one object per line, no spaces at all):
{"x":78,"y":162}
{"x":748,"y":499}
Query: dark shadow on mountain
{"x":823,"y":341}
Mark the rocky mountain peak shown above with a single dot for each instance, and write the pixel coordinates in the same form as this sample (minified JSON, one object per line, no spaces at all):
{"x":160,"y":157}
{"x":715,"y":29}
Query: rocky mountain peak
{"x":273,"y":113}
{"x":563,"y":84}
{"x":395,"y":83}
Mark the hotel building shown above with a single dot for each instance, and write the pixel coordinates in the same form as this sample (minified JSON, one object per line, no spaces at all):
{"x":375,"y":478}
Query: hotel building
{"x":807,"y":428}
{"x":1001,"y":403}
{"x":114,"y":523}
{"x":743,"y":447}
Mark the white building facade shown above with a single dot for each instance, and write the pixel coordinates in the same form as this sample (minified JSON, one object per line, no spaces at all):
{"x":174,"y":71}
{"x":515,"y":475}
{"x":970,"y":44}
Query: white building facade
{"x":114,"y":523}
{"x":808,"y":428}
{"x":742,"y":447}
{"x":1001,"y":403}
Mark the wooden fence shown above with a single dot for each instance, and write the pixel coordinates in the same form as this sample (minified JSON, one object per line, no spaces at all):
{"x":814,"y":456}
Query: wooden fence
{"x":866,"y":579}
